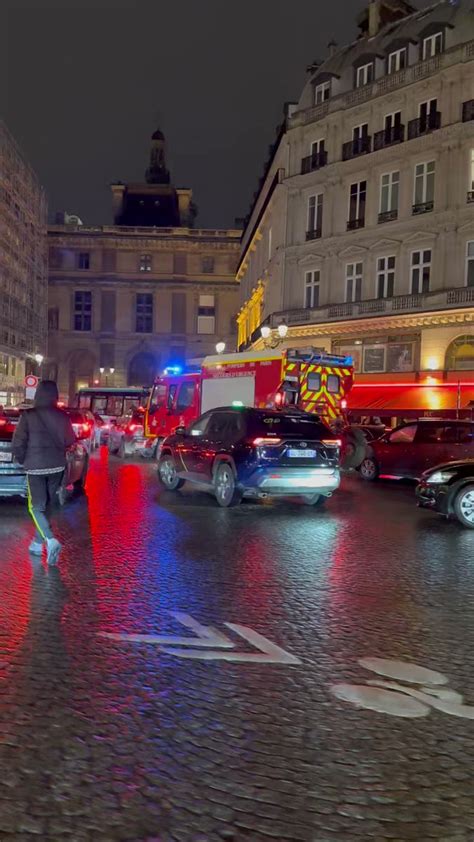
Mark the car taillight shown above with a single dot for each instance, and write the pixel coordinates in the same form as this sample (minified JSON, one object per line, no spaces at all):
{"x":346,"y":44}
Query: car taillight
{"x":332,"y":442}
{"x":259,"y":441}
{"x":3,"y":422}
{"x":279,"y":398}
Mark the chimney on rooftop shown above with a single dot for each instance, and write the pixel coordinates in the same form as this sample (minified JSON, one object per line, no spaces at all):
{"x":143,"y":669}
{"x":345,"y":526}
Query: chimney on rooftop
{"x":374,"y":17}
{"x":332,"y":46}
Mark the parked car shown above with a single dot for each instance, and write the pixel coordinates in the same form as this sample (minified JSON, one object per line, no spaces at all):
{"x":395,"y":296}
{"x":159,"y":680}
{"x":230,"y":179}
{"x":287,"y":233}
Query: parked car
{"x":12,"y":475}
{"x":414,"y":447}
{"x":246,"y":452}
{"x":449,"y":489}
{"x":355,"y":438}
{"x":127,"y":436}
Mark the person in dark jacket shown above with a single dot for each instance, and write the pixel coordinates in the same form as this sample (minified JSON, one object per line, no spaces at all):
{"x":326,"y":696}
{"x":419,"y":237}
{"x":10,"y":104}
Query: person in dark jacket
{"x":40,"y":442}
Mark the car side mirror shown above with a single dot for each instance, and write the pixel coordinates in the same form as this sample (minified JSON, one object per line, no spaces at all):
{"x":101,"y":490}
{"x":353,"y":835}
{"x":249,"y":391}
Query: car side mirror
{"x":180,"y":431}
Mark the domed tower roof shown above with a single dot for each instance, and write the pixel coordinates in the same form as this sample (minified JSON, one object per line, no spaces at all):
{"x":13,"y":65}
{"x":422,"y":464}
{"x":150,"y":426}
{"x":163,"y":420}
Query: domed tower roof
{"x":158,"y":135}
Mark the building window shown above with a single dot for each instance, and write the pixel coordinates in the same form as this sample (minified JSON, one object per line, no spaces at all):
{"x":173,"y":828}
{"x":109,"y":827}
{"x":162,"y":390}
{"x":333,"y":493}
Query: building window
{"x":82,"y":310}
{"x":397,"y":60}
{"x":13,"y":366}
{"x":206,"y":322}
{"x":145,"y":263}
{"x":420,"y":271}
{"x":357,"y":197}
{"x":432,"y":45}
{"x":354,"y":281}
{"x":470,"y":264}
{"x":385,"y":276}
{"x":317,"y":148}
{"x":311,"y":289}
{"x":424,"y":184}
{"x":83,"y":260}
{"x":393,"y":122}
{"x":207,"y":265}
{"x":144,"y":312}
{"x":389,"y":184}
{"x":471,"y":171}
{"x":427,"y":115}
{"x":315,"y":216}
{"x":322,"y":92}
{"x":364,"y":74}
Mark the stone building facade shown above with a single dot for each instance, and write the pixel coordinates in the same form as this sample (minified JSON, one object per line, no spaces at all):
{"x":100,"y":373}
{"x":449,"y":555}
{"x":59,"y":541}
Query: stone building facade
{"x":132,"y":300}
{"x":23,"y":269}
{"x":361,"y":237}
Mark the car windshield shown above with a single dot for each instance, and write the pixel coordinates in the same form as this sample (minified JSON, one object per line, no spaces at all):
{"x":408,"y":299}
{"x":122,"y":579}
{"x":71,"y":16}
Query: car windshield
{"x":286,"y":424}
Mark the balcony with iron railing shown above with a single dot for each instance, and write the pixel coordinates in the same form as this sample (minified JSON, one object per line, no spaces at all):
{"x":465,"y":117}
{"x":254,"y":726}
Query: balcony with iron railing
{"x":388,"y":216}
{"x":355,"y":224}
{"x":422,"y":207}
{"x":314,"y":234}
{"x":397,"y":305}
{"x":314,"y":162}
{"x":468,"y":111}
{"x":389,"y":137}
{"x":357,"y":146}
{"x":424,"y":125}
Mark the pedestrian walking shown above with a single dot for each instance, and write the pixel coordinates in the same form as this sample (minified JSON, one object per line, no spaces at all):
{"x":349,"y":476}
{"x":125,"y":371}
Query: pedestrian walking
{"x":40,"y":442}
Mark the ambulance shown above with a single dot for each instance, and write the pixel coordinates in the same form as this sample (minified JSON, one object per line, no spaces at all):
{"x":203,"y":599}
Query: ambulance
{"x":308,"y":378}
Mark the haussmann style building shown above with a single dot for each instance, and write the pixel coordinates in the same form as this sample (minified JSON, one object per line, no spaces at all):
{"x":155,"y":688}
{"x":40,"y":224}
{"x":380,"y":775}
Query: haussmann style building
{"x":128,"y":299}
{"x":361,"y":235}
{"x":23,"y":270}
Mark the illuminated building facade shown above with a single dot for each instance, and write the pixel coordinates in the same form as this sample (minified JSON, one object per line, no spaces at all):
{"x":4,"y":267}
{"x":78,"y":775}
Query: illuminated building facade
{"x":23,"y":269}
{"x":361,"y":236}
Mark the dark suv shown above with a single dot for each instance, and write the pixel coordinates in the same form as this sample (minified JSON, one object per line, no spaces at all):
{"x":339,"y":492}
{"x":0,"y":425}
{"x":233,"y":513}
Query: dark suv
{"x":236,"y":452}
{"x":413,"y":448}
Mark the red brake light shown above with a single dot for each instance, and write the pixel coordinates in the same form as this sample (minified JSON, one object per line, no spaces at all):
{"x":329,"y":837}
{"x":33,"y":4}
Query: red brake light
{"x":332,"y":442}
{"x":344,"y":403}
{"x":278,"y":398}
{"x":259,"y":441}
{"x":3,"y":422}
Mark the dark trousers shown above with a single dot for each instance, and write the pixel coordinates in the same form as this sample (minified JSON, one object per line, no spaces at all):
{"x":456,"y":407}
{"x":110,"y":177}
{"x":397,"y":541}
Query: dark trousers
{"x":42,"y":490}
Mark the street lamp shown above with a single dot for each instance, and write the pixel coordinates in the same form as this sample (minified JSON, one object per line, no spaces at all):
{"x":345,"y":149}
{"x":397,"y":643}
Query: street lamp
{"x":39,"y":358}
{"x":112,"y":370}
{"x":272,"y":339}
{"x":101,"y":369}
{"x":282,"y":330}
{"x":220,"y":347}
{"x":266,"y":331}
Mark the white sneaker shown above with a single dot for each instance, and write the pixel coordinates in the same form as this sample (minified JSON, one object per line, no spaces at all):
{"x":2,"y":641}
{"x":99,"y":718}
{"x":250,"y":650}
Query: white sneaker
{"x":36,"y":548}
{"x":53,"y":548}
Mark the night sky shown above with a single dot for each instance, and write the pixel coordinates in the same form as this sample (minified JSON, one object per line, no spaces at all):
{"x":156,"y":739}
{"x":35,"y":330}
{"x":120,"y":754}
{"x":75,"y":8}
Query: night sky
{"x":83,"y":83}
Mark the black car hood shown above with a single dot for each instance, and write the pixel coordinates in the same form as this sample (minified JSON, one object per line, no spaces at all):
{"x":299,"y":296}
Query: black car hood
{"x":460,"y":464}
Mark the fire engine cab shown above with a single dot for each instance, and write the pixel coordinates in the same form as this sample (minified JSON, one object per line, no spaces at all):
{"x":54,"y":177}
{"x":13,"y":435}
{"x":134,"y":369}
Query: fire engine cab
{"x":310,"y":379}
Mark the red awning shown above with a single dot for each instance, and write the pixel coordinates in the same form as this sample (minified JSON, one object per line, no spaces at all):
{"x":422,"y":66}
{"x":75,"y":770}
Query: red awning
{"x":381,"y":399}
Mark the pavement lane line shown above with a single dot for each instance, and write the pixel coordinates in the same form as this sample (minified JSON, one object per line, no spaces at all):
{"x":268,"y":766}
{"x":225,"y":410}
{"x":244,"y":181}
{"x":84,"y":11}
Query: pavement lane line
{"x":269,"y":653}
{"x":206,"y":635}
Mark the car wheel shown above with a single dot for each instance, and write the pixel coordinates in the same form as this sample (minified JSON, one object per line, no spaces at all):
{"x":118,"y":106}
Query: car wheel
{"x":80,"y":484}
{"x":369,"y":469}
{"x":354,"y":449}
{"x":225,"y":488}
{"x":464,"y":506}
{"x":314,"y":500}
{"x":167,"y":474}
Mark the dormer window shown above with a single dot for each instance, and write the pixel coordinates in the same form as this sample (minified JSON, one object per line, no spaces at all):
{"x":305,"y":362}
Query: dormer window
{"x":364,"y":74}
{"x":322,"y":92}
{"x":397,"y":60}
{"x":432,"y":45}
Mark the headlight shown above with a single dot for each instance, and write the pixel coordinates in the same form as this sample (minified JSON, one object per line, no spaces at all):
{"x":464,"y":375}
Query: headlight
{"x":439,"y":476}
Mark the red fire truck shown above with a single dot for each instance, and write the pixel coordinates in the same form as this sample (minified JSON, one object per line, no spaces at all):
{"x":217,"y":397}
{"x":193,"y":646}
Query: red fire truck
{"x":310,"y":379}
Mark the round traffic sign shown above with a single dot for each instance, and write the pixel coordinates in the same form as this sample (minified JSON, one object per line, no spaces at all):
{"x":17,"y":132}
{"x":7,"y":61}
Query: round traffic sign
{"x":31,"y":380}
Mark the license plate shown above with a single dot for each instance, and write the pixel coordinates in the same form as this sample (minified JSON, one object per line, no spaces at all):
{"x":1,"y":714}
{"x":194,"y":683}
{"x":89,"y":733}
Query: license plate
{"x":302,"y":454}
{"x":6,"y":457}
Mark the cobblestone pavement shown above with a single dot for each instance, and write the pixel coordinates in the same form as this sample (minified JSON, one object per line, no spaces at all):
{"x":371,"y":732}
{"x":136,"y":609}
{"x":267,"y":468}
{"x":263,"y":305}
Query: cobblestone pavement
{"x":107,"y":740}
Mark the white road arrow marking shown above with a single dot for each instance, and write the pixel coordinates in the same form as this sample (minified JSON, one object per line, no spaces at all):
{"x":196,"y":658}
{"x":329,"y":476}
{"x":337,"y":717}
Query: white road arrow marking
{"x":269,"y":652}
{"x":205,"y":635}
{"x":213,"y":641}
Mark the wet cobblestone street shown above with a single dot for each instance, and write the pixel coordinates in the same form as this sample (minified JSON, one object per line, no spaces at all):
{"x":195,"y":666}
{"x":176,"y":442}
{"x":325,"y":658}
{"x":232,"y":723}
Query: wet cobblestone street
{"x":105,"y":738}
